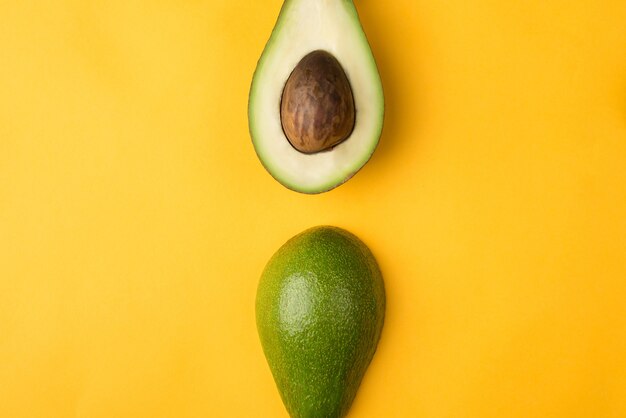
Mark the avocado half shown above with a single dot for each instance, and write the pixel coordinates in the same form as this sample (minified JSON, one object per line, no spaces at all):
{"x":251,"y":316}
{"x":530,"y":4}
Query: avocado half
{"x":305,"y":26}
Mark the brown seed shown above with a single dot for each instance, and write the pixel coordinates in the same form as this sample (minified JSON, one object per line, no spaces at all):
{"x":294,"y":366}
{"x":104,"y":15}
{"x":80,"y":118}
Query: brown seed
{"x":317,"y":107}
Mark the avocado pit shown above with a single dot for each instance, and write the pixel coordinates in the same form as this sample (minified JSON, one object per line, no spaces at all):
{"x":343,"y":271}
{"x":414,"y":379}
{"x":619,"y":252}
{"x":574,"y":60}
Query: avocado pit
{"x":317,"y":107}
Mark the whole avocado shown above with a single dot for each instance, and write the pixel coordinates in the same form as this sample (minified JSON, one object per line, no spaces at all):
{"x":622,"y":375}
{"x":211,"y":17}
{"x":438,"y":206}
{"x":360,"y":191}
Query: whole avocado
{"x":320,"y":309}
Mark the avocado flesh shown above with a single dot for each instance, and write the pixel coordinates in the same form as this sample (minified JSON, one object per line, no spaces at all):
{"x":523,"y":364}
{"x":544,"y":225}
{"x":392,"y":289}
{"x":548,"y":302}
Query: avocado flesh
{"x":304,"y":26}
{"x":320,"y":308}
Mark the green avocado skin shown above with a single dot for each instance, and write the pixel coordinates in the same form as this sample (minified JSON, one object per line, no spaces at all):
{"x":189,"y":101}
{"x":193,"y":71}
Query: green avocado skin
{"x":320,"y":309}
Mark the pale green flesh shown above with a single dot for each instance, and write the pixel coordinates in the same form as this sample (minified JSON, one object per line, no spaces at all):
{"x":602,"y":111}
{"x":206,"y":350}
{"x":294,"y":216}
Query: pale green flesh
{"x":302,"y":27}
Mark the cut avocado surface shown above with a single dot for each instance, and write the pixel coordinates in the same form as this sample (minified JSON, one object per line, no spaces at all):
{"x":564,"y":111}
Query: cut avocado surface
{"x":303,"y":27}
{"x":320,"y":309}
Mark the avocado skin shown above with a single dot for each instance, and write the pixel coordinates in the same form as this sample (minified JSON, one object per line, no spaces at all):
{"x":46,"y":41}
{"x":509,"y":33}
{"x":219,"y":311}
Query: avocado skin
{"x":320,"y":309}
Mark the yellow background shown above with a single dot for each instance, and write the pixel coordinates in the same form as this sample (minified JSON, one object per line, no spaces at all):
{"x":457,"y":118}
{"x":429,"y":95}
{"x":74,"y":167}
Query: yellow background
{"x":135,"y":218}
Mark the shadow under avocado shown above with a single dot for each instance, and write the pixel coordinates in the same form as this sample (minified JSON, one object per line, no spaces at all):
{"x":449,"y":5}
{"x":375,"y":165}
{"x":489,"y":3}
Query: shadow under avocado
{"x":376,"y":27}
